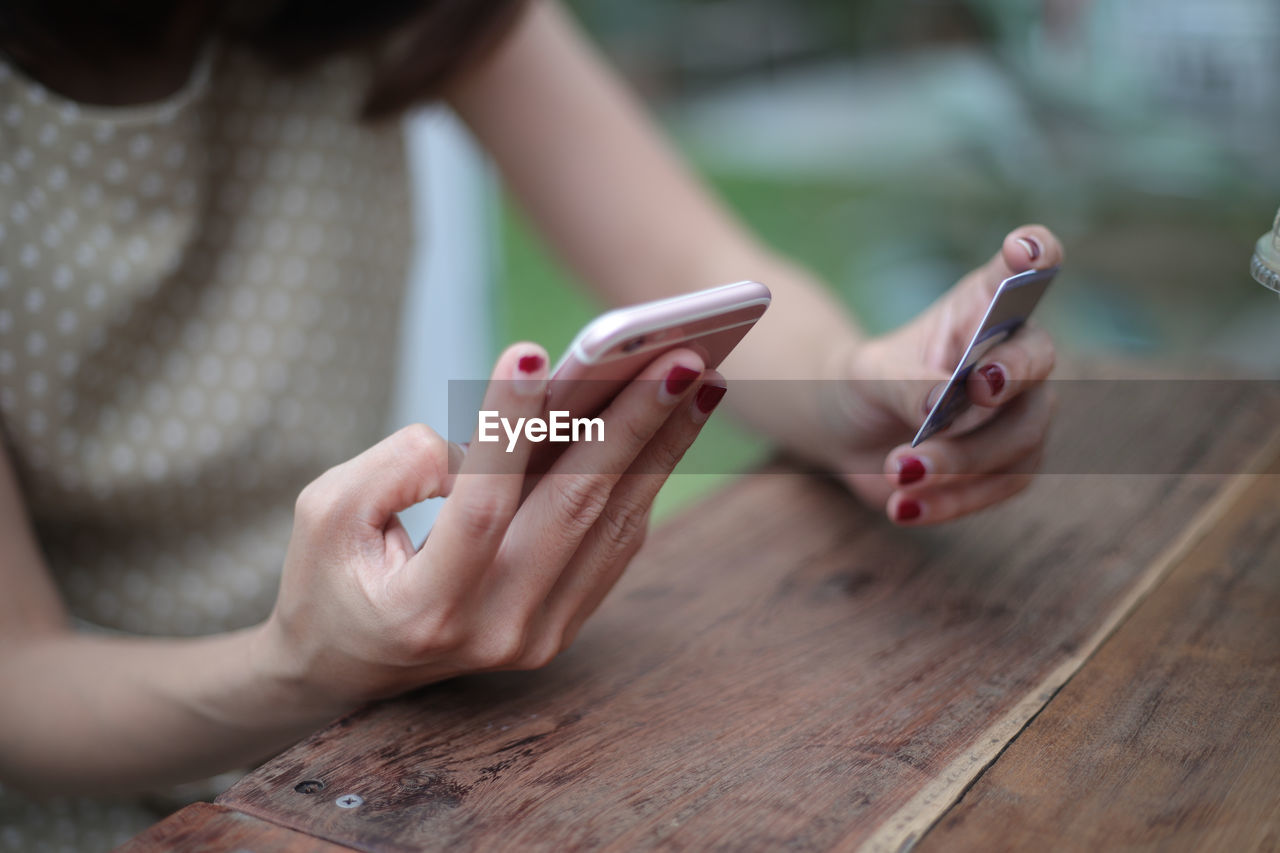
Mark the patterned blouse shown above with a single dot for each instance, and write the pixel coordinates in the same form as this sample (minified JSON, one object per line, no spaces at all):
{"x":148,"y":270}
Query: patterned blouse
{"x":198,"y":307}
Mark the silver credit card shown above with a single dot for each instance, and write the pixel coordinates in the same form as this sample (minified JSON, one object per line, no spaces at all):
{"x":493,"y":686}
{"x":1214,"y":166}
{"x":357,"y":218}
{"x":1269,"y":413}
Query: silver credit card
{"x":1015,"y":299}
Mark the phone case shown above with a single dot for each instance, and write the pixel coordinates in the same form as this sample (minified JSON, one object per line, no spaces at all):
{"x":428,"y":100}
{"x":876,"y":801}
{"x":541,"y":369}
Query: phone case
{"x":616,"y":346}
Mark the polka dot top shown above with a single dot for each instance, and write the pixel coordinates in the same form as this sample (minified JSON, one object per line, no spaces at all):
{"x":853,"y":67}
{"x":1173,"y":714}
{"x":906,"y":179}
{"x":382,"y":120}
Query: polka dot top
{"x":198,"y":301}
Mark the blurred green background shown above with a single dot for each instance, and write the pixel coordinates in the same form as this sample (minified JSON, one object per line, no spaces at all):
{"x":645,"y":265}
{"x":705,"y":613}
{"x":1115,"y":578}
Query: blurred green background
{"x":889,"y":146}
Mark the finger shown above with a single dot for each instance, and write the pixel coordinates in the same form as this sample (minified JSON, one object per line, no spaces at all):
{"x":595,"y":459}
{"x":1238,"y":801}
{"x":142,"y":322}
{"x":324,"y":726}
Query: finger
{"x":1019,"y":432}
{"x":486,"y":489}
{"x":1012,"y":367}
{"x":959,"y":313}
{"x":1024,"y":248}
{"x":407,"y":467}
{"x":616,"y":536}
{"x":1030,"y":247}
{"x":556,"y":632}
{"x":961,"y":498}
{"x":969,"y":418}
{"x":568,"y":500}
{"x":951,"y":323}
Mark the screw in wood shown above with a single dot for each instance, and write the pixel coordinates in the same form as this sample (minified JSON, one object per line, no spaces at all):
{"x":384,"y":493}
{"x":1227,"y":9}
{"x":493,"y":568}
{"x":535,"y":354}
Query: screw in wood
{"x":349,"y":801}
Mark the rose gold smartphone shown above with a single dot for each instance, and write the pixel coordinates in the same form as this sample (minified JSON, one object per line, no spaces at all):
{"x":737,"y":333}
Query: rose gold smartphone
{"x":616,"y":346}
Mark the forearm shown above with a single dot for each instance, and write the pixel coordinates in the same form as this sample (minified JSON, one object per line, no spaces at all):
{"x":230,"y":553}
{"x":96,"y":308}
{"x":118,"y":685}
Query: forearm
{"x":607,"y":191}
{"x":799,"y":340}
{"x":87,"y":713}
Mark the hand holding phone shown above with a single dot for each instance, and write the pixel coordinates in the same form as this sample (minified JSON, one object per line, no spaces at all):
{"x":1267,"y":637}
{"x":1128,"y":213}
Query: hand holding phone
{"x":618,"y":347}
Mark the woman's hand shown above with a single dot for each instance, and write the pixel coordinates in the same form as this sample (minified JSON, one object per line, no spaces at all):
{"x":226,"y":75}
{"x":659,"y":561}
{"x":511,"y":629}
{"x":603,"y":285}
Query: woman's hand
{"x":500,"y":583}
{"x":991,"y":452}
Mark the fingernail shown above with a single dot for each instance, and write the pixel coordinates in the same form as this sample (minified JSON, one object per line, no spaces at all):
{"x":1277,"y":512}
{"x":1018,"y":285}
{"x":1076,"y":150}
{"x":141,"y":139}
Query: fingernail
{"x":908,"y":510}
{"x":705,"y":401}
{"x":934,"y":394}
{"x":457,"y":454}
{"x":910,"y":470}
{"x":994,"y":374}
{"x":529,"y":378}
{"x":1032,"y":245}
{"x":679,"y":380}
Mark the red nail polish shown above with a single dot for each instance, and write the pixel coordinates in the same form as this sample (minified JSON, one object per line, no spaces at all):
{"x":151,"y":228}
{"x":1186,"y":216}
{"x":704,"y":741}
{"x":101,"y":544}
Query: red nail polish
{"x":910,"y":470}
{"x":679,"y":380}
{"x":1032,"y":245}
{"x":530,"y":363}
{"x":708,"y":397}
{"x":907,"y":510}
{"x":995,"y":378}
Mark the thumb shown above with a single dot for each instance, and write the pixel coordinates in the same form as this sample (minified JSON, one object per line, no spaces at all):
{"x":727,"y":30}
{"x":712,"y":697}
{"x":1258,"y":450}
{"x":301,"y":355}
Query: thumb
{"x":940,"y":335}
{"x":1025,"y":248}
{"x":890,"y":375}
{"x":404,"y":469}
{"x":911,"y":365}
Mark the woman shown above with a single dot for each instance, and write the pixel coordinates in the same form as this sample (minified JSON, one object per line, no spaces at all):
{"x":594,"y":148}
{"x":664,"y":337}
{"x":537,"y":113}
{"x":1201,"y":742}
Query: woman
{"x":199,"y":268}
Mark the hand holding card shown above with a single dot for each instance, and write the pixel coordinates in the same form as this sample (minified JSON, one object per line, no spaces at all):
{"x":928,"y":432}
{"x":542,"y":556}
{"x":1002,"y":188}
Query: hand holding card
{"x":1015,"y":299}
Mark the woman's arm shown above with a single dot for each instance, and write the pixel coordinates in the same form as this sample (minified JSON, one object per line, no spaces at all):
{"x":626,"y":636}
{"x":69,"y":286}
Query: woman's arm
{"x":84,"y":712}
{"x":609,"y":194}
{"x":503,"y":582}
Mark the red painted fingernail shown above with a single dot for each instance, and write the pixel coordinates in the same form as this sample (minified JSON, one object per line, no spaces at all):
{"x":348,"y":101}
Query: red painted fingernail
{"x":910,"y":470}
{"x":1032,"y":245}
{"x":907,"y":510}
{"x":679,"y":380}
{"x":530,"y":363}
{"x":708,"y":397}
{"x":994,"y":375}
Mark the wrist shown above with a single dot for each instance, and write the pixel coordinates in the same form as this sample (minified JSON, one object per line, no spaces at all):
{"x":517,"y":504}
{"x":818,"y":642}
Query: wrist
{"x":851,"y":373}
{"x":287,"y":685}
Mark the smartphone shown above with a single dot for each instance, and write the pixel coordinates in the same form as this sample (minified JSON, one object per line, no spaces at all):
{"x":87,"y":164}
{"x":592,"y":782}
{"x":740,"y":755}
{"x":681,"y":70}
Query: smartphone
{"x":1015,"y":299}
{"x":616,"y":346}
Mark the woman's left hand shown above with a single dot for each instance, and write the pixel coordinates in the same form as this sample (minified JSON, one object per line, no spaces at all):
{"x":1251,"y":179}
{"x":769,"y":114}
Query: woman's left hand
{"x":992,"y":451}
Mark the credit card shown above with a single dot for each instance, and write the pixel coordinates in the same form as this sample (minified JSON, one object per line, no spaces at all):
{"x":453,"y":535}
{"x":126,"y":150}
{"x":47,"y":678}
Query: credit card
{"x":1015,"y":299}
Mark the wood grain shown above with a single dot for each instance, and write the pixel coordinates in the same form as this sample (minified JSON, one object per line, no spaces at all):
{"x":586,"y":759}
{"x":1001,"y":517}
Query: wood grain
{"x":918,"y":815}
{"x":1170,"y":738}
{"x":206,"y":827}
{"x":779,"y":668}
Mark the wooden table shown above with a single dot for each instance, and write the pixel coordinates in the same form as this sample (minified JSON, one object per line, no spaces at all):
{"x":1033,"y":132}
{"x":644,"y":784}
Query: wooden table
{"x":1094,"y":665}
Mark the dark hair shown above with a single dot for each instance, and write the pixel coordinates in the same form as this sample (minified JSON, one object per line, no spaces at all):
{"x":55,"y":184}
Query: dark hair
{"x":419,"y":45}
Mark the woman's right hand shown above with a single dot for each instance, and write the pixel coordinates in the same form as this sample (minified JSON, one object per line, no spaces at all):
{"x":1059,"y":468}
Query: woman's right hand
{"x":500,"y":583}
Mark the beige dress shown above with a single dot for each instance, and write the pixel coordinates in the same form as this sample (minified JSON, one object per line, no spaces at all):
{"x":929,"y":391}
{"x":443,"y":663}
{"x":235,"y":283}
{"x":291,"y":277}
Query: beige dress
{"x":198,"y":307}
